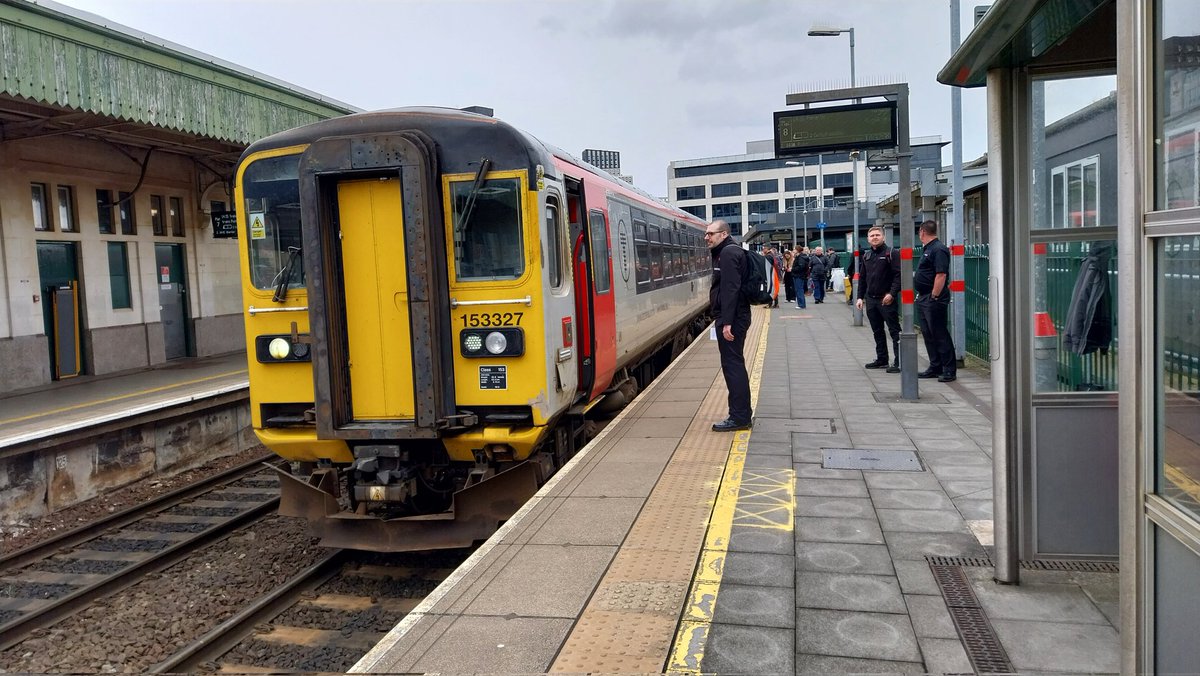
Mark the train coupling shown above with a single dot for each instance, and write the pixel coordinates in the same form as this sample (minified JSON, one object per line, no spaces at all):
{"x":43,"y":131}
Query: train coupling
{"x":475,"y":513}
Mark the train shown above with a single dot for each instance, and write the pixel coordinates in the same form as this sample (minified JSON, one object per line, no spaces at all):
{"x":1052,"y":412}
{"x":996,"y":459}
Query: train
{"x":438,"y":307}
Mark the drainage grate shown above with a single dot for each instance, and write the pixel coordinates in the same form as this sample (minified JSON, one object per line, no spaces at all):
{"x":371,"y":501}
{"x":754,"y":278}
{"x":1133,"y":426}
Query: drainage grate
{"x":876,"y":460}
{"x":974,"y":630}
{"x":1041,"y":564}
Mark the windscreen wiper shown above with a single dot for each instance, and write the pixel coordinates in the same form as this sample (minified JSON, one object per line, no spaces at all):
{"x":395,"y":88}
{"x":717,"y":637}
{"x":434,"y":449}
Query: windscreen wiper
{"x":285,"y":275}
{"x":464,"y":216}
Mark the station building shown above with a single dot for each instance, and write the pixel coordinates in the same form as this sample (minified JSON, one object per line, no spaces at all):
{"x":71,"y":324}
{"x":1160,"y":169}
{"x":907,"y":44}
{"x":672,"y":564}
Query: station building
{"x":117,"y":153}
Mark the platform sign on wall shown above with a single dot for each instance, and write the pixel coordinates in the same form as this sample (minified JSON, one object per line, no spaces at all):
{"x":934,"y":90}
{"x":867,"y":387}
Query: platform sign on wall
{"x":224,"y":224}
{"x":854,"y":127}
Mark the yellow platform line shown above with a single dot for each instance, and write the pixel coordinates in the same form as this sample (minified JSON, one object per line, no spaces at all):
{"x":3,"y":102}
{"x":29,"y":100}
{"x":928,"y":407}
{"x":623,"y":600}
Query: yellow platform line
{"x":1181,"y":480}
{"x":691,"y":637}
{"x":85,"y":404}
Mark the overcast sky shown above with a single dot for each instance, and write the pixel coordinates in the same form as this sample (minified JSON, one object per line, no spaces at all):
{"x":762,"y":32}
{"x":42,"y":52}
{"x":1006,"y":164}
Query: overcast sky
{"x":656,"y":80}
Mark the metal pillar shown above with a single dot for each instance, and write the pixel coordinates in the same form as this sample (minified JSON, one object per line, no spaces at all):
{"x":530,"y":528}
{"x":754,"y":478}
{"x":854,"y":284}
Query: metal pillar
{"x":856,"y":313}
{"x":908,"y":338}
{"x":821,"y":192}
{"x":958,"y":301}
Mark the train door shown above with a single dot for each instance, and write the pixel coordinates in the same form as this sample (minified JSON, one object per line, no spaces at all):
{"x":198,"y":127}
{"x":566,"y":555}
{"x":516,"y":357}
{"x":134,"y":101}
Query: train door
{"x":581,"y":255}
{"x":172,"y":299}
{"x":59,"y":282}
{"x":603,"y":305}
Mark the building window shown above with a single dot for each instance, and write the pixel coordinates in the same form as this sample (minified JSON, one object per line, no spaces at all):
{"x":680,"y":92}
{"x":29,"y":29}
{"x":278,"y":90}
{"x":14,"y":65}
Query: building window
{"x":104,"y":211}
{"x":699,"y":211}
{"x":125,"y":210}
{"x":764,"y":207}
{"x":690,"y":192}
{"x":845,"y":180}
{"x":795,"y":183}
{"x":727,"y":210}
{"x":66,"y":209}
{"x":158,"y":219}
{"x":41,"y":210}
{"x":118,"y":275}
{"x":175,"y":216}
{"x":726,"y":189}
{"x":763,"y":187}
{"x":1074,"y":190}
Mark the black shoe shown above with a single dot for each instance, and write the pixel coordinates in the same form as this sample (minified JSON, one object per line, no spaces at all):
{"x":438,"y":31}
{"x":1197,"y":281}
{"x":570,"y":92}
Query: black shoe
{"x":894,"y":368}
{"x":730,"y":425}
{"x":947,"y":378}
{"x":929,"y":374}
{"x":877,"y":364}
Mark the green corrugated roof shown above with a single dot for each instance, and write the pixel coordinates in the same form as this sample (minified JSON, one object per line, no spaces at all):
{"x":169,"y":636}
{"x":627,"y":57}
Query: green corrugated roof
{"x":54,"y":57}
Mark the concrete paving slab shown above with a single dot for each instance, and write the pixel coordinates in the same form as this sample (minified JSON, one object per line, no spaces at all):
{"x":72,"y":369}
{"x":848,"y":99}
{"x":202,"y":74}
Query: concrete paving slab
{"x":670,"y":409}
{"x":756,"y":606}
{"x":755,"y":568}
{"x":958,"y":444}
{"x":1051,"y":646}
{"x":736,"y":649}
{"x":655,"y":450}
{"x":817,"y":529}
{"x":760,"y":447}
{"x":916,"y":578}
{"x":618,"y":480}
{"x":1038,"y":602}
{"x":957,"y":458}
{"x":904,"y":481}
{"x":825,"y":664}
{"x":922,"y":520}
{"x":981,"y":490}
{"x":878,"y":636}
{"x":916,"y":546}
{"x":894,"y":440}
{"x":958,"y":472}
{"x":831,"y":487}
{"x":816,"y":471}
{"x":903,"y":499}
{"x":944,"y":656}
{"x":949,"y":433}
{"x":589,"y":521}
{"x":681,"y":394}
{"x":566,"y":577}
{"x":974,"y":509}
{"x":668,"y":428}
{"x":760,"y":461}
{"x":834,"y":507}
{"x":839,"y":591}
{"x":930,"y":617}
{"x":762,"y":540}
{"x":491,"y":645}
{"x":808,"y":455}
{"x":835,"y":557}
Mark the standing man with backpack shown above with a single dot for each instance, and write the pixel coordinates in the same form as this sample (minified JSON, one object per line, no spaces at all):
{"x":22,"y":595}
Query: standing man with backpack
{"x":731,"y":308}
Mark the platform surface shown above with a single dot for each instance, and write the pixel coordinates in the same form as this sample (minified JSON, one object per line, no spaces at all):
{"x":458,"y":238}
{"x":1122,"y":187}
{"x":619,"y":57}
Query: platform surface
{"x":666,"y":547}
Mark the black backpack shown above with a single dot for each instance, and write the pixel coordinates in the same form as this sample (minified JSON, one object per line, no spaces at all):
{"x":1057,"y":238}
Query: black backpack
{"x":756,"y":288}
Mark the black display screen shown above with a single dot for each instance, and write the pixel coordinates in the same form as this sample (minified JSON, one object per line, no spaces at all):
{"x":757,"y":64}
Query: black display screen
{"x":854,"y":127}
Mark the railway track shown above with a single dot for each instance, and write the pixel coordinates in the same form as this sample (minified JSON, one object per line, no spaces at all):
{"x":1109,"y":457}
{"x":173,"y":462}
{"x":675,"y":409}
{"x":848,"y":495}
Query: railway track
{"x":323,"y":619}
{"x":51,"y":580}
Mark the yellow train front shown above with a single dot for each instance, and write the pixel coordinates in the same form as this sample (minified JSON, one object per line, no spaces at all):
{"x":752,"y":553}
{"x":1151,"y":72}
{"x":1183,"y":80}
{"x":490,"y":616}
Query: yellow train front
{"x":432,"y":306}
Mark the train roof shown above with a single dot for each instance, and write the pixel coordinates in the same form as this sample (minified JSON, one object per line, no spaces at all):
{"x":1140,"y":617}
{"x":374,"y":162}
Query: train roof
{"x":458,"y":135}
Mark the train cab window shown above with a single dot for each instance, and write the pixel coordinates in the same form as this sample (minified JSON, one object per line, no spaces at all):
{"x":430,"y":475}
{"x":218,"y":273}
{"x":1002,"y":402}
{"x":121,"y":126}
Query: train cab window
{"x":600,"y":262}
{"x":553,"y":243}
{"x":272,"y":209}
{"x":487,"y":230}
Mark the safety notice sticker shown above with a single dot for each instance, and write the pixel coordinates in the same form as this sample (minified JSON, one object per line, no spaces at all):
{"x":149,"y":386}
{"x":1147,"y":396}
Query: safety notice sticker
{"x":493,"y":377}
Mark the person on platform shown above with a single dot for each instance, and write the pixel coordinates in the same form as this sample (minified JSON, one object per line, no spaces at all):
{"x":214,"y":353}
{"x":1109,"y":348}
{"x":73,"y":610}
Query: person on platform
{"x":800,"y":275}
{"x":732,"y":312}
{"x":832,"y":262}
{"x":879,"y":280}
{"x":789,"y":293}
{"x":931,"y":282}
{"x":819,"y":272}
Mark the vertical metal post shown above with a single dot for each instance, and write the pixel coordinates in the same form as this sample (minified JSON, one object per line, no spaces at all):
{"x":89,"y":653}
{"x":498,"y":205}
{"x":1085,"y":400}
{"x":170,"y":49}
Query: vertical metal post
{"x":856,"y":314}
{"x":955,"y":238}
{"x":908,"y":339}
{"x":804,"y":187}
{"x":821,"y":195}
{"x":793,"y":221}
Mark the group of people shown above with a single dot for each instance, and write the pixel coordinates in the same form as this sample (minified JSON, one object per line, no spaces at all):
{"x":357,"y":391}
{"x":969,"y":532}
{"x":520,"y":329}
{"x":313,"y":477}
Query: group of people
{"x":795,"y":269}
{"x":879,"y":292}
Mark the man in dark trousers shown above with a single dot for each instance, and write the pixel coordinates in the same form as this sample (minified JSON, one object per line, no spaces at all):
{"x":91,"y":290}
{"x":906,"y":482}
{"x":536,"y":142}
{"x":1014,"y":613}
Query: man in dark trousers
{"x":800,"y":275}
{"x":932,"y":284}
{"x":732,"y":313}
{"x":880,"y":288}
{"x":818,"y":270}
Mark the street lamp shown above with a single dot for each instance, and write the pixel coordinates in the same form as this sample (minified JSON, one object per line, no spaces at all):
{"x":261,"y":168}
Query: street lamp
{"x":826,"y":31}
{"x":753,"y":222}
{"x":803,"y":168}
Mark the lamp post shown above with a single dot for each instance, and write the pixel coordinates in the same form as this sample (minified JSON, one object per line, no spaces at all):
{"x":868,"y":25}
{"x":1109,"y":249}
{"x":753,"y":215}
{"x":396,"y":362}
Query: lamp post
{"x":856,"y":314}
{"x":792,"y":163}
{"x":753,"y":223}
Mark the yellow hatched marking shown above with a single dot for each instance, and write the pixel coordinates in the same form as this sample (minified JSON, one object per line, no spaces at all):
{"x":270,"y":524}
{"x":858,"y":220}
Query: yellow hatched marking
{"x":687,"y":651}
{"x":1182,"y":481}
{"x":767,"y":500}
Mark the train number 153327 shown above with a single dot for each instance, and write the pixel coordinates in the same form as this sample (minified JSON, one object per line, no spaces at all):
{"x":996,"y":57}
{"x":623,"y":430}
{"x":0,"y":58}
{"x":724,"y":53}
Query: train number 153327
{"x":492,"y":319}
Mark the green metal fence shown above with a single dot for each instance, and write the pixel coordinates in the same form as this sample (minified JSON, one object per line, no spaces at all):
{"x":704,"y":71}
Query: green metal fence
{"x":1096,"y":370}
{"x":975,"y":274}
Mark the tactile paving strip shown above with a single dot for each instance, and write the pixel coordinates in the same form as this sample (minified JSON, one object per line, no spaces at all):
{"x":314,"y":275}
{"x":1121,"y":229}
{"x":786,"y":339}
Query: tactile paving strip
{"x":630,"y":621}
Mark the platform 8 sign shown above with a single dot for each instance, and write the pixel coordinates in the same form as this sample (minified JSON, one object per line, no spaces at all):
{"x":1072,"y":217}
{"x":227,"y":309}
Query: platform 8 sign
{"x":224,"y":224}
{"x":493,"y":377}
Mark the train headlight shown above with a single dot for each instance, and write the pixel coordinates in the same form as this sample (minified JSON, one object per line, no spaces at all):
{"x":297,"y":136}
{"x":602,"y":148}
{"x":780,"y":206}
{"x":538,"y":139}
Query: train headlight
{"x":505,"y":341}
{"x":279,"y":348}
{"x":496,"y":343}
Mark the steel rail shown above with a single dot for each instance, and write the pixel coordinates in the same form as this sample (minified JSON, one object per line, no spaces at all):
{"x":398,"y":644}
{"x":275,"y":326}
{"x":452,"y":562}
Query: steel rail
{"x":225,"y":636}
{"x":74,"y":537}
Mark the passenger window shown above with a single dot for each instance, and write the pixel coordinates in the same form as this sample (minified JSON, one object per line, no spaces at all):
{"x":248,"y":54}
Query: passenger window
{"x":600,"y":255}
{"x":656,"y":253}
{"x":643,"y":253}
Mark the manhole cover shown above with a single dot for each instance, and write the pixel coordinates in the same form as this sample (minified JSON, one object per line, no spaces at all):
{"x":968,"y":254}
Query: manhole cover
{"x":871,"y":459}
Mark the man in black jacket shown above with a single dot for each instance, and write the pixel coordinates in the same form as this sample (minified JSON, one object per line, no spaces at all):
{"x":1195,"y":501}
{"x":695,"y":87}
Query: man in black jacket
{"x":819,"y":271}
{"x":732,"y":313}
{"x":932,"y":284}
{"x":880,"y":280}
{"x":800,"y":275}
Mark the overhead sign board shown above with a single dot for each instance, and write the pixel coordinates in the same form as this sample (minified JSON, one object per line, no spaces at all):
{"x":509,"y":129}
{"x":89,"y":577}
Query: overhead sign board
{"x":224,"y":224}
{"x":854,"y":127}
